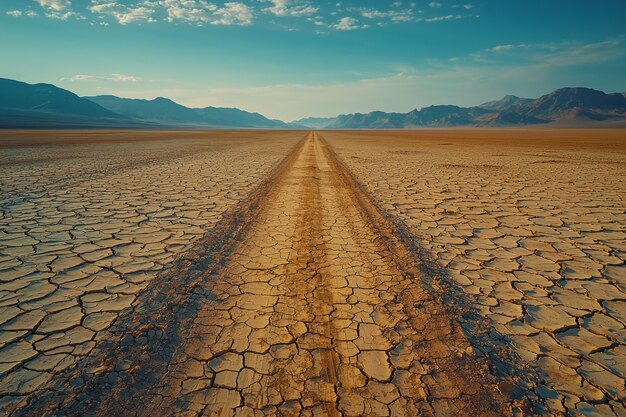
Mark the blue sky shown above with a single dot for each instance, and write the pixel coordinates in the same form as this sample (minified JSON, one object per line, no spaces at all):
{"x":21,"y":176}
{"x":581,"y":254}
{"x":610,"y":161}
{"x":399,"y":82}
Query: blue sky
{"x":293,"y":58}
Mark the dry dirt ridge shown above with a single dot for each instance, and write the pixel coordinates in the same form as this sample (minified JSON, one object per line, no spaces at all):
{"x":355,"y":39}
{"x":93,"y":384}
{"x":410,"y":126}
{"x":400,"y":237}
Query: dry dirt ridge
{"x":305,"y":299}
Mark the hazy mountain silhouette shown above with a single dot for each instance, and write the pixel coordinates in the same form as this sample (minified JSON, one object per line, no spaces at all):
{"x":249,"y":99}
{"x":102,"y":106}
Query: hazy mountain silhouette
{"x":563,"y":101}
{"x":505,"y":103}
{"x":565,"y":106}
{"x":25,"y":105}
{"x":164,"y":110}
{"x":507,"y":117}
{"x":47,"y":97}
{"x":160,"y":109}
{"x":315,"y":122}
{"x":432,"y":116}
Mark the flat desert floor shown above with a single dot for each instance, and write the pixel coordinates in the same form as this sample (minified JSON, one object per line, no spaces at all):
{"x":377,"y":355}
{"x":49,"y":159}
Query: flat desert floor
{"x":259,"y":273}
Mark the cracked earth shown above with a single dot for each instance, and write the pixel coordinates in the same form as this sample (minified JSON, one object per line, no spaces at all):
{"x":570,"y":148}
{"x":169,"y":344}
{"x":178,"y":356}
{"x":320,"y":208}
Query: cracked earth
{"x":531,"y":225}
{"x":257,"y":273}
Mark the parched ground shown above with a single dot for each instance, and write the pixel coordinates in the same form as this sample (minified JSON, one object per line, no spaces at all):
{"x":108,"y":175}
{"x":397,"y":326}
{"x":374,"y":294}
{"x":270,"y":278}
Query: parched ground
{"x":532,"y":225}
{"x":89,"y":218}
{"x":433,"y":273}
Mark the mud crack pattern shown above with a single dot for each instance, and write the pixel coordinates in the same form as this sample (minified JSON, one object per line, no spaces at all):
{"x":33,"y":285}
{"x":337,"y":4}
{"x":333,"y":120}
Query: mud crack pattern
{"x":532,"y":225}
{"x":89,"y":218}
{"x":262,"y":273}
{"x":298,"y":304}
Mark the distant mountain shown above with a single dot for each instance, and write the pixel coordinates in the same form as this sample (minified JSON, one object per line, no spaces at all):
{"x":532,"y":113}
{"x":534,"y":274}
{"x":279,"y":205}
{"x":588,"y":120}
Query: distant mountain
{"x":444,"y":116}
{"x":560,"y":103}
{"x":565,"y":107}
{"x":372,"y":120}
{"x":236,"y":117}
{"x":505,"y":103}
{"x":25,"y":105}
{"x":507,"y":117}
{"x":47,"y":98}
{"x":432,"y":116}
{"x":315,"y":122}
{"x":159,"y":110}
{"x":164,"y":110}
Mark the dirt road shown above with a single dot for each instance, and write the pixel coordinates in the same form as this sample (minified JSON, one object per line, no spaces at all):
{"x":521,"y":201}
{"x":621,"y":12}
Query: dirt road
{"x":301,"y":301}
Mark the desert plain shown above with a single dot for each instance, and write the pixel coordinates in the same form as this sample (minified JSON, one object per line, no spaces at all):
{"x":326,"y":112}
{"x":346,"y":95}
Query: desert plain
{"x":475,"y":272}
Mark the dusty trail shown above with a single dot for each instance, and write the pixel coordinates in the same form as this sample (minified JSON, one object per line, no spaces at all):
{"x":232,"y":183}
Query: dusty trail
{"x":303,"y":303}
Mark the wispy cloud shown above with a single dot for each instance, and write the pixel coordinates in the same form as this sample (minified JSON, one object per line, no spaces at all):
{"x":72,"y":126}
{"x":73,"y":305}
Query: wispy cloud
{"x":121,"y":13}
{"x":579,"y":53}
{"x":291,"y":8}
{"x":563,"y":53}
{"x":444,"y":18}
{"x":186,"y":11}
{"x":394,"y":15}
{"x":505,"y":48}
{"x":347,"y":15}
{"x":348,"y":23}
{"x":56,"y":5}
{"x":197,"y":12}
{"x":233,"y":13}
{"x":58,"y":9}
{"x":407,"y":15}
{"x":18,"y":13}
{"x":110,"y":77}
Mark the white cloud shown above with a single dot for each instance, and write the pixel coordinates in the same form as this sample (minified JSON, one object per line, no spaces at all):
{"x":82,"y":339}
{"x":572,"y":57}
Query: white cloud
{"x":348,"y":23}
{"x":506,"y":48}
{"x":15,"y":13}
{"x":62,"y":15}
{"x":110,"y":77}
{"x":55,"y":5}
{"x":186,"y":10}
{"x":396,"y":16}
{"x":291,"y":8}
{"x":122,"y":13}
{"x":198,"y":12}
{"x":434,"y":4}
{"x":233,"y":13}
{"x":382,"y":17}
{"x":57,"y":9}
{"x":242,"y":13}
{"x":444,"y":18}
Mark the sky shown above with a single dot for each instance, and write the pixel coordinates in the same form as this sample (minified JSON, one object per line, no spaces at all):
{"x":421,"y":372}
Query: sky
{"x":289,"y":59}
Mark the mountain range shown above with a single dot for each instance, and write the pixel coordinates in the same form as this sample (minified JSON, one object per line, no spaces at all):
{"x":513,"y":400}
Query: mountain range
{"x":573,"y":107}
{"x":25,"y":105}
{"x":165,"y":111}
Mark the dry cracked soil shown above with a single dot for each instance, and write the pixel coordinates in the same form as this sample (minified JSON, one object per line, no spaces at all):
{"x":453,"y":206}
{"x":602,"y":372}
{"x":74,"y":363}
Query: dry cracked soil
{"x":431,"y":273}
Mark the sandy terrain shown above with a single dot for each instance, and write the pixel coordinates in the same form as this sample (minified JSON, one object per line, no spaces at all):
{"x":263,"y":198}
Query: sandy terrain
{"x":433,"y":273}
{"x":89,"y":218}
{"x":532,"y":225}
